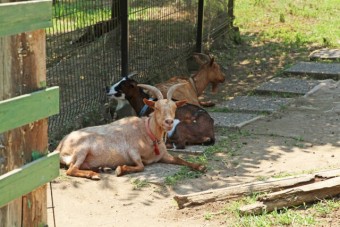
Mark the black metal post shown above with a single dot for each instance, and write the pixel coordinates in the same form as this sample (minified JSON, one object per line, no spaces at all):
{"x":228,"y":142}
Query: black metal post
{"x":199,"y":34}
{"x":231,"y":13}
{"x":124,"y":36}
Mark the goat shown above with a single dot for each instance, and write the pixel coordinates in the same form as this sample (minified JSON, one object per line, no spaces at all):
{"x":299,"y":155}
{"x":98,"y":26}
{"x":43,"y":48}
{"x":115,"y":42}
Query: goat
{"x":126,"y":145}
{"x":209,"y":72}
{"x":193,"y":125}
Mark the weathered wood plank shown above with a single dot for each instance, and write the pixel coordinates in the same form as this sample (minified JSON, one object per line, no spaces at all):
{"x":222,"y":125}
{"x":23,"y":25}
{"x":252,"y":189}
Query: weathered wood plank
{"x":23,"y":180}
{"x":17,"y":17}
{"x":294,"y":196}
{"x":24,"y":109}
{"x":236,"y":191}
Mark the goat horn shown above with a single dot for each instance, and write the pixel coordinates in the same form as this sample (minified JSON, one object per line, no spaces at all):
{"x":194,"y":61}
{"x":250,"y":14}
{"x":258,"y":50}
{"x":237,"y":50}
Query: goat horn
{"x":206,"y":57}
{"x":131,"y":74}
{"x":153,"y":89}
{"x":172,"y":90}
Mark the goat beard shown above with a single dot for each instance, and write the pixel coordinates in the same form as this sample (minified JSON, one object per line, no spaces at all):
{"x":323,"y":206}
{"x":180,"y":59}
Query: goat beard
{"x":214,"y":88}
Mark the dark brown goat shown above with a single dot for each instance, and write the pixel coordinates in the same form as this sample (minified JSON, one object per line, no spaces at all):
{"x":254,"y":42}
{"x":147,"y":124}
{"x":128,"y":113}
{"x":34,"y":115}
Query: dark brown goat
{"x":195,"y":124}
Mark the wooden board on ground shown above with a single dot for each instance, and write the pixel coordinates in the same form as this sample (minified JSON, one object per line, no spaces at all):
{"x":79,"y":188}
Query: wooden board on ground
{"x":237,"y":191}
{"x":294,"y":196}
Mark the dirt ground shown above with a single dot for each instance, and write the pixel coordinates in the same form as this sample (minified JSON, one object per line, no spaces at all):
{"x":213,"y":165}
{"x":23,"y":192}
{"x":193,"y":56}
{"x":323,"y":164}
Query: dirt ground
{"x":301,"y":138}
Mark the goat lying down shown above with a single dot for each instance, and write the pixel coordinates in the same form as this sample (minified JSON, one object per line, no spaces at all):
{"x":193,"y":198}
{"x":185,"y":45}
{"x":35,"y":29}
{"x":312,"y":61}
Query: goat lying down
{"x":192,"y":126}
{"x":125,"y":145}
{"x":208,"y":73}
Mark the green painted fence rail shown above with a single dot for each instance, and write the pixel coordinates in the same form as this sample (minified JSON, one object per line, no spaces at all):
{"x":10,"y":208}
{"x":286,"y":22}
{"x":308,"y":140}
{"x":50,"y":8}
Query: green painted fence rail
{"x":24,"y":109}
{"x":17,"y":17}
{"x":25,"y":179}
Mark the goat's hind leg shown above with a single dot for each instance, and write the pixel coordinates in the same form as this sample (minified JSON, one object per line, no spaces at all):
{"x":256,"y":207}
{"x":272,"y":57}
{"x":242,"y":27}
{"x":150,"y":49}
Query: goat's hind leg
{"x":79,"y":168}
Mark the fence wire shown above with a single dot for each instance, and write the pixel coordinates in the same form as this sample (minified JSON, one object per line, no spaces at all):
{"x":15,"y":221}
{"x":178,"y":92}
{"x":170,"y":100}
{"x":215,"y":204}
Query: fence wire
{"x":84,"y":47}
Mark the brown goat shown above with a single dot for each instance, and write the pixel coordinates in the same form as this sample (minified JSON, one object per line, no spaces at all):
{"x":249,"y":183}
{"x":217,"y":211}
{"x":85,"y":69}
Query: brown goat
{"x":125,"y":145}
{"x":209,"y":72}
{"x":195,"y":126}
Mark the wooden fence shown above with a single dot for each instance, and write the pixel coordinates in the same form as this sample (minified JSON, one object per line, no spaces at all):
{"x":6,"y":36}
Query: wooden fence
{"x":25,"y":103}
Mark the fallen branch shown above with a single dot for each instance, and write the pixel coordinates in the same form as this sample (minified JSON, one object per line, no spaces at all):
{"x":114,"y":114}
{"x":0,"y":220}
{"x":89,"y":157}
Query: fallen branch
{"x":233,"y":192}
{"x":294,"y":196}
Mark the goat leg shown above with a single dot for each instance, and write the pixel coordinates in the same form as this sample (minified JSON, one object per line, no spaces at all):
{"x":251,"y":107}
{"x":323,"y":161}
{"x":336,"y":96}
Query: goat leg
{"x":207,"y":103}
{"x":124,"y":169}
{"x":169,"y":159}
{"x":76,"y":172}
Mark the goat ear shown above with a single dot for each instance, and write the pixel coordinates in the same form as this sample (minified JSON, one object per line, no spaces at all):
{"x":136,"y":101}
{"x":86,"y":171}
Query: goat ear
{"x":149,"y":103}
{"x":212,"y":61}
{"x":181,"y":103}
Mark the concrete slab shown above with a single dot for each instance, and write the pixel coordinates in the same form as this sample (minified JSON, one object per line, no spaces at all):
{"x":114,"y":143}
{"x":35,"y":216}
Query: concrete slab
{"x":233,"y":120}
{"x":287,"y":86}
{"x":325,"y":54}
{"x":256,"y":104}
{"x":316,"y":69}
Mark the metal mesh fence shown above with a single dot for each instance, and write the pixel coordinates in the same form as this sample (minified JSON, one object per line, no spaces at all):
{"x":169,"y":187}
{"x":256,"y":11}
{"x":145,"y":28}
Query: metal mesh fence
{"x":80,"y":59}
{"x":84,"y":47}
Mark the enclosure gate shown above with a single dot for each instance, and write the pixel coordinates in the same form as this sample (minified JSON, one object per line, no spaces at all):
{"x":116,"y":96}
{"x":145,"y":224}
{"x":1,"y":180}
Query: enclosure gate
{"x":25,"y":164}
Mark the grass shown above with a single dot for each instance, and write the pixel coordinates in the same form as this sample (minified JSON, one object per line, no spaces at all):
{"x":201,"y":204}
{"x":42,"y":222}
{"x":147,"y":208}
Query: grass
{"x":229,"y":145}
{"x":292,"y":22}
{"x":78,"y":14}
{"x":139,"y":184}
{"x":285,"y":217}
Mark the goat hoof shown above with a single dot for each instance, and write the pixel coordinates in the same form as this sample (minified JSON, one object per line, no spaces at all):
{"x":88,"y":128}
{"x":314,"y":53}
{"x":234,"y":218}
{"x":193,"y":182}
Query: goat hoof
{"x":207,"y":104}
{"x":202,"y":169}
{"x":95,"y":177}
{"x":118,"y":171}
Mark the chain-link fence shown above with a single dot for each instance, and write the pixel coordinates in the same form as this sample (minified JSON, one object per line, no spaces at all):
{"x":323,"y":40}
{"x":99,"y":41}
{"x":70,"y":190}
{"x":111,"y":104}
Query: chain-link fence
{"x":84,"y":46}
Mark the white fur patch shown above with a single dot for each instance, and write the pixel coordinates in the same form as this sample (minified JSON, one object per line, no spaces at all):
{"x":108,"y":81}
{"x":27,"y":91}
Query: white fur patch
{"x":171,"y":132}
{"x":112,"y":92}
{"x":66,"y":159}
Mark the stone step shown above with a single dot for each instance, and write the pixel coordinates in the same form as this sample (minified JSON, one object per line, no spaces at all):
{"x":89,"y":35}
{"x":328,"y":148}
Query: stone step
{"x":255,"y":104}
{"x":325,"y":54}
{"x":316,"y":70}
{"x":233,"y":120}
{"x":283,"y":86}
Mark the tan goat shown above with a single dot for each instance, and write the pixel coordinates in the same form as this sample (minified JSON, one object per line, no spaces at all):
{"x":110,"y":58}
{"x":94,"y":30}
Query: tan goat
{"x":125,"y":145}
{"x":209,"y":72}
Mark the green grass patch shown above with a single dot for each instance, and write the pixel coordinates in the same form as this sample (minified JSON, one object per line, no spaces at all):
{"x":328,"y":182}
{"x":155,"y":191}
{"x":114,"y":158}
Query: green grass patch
{"x":139,"y":184}
{"x":73,"y":15}
{"x":290,"y":21}
{"x":283,"y":217}
{"x":229,"y":145}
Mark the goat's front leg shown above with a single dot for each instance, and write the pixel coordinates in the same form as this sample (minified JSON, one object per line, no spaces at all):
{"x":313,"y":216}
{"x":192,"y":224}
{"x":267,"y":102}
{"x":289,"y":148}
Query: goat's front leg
{"x":207,"y":103}
{"x":124,"y":169}
{"x":167,"y":158}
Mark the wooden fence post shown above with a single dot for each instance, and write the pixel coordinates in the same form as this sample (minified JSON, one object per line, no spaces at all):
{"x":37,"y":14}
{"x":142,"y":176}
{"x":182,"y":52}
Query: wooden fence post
{"x":22,"y":71}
